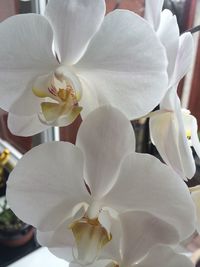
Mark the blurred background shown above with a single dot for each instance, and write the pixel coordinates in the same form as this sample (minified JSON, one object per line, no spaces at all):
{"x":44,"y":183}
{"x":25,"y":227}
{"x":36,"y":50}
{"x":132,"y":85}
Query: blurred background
{"x":13,"y":147}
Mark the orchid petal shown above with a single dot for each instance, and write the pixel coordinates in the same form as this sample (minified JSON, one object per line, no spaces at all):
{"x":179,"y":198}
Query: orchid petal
{"x":164,"y":135}
{"x":169,"y":136}
{"x":89,"y":99}
{"x":104,"y":147}
{"x":101,"y":263}
{"x":57,"y":115}
{"x":75,"y":25}
{"x":124,"y":76}
{"x":105,"y":220}
{"x":25,"y":125}
{"x":184,"y":57}
{"x":61,"y":237}
{"x":59,"y":242}
{"x":51,"y":111}
{"x":112,"y":251}
{"x":35,"y":194}
{"x":25,"y":53}
{"x":168,"y":33}
{"x":148,"y":231}
{"x":153,"y":10}
{"x":161,"y":182}
{"x":184,"y":146}
{"x":169,"y":101}
{"x":42,"y":87}
{"x":194,"y":135}
{"x":191,"y":127}
{"x":164,"y":256}
{"x":27,"y":104}
{"x":196,"y":198}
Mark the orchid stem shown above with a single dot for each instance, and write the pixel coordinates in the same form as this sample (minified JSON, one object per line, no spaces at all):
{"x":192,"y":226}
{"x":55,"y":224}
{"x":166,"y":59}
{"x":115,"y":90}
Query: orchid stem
{"x":194,"y":30}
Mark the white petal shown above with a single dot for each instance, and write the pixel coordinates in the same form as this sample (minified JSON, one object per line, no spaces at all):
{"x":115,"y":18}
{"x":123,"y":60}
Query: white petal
{"x":194,"y":135}
{"x":146,"y":184}
{"x":89,"y":99}
{"x":184,"y":57}
{"x":196,"y":198}
{"x":184,"y":146}
{"x":25,"y":125}
{"x":25,"y":53}
{"x":74,"y":23}
{"x":105,"y":220}
{"x":169,"y":136}
{"x":164,"y":135}
{"x":124,"y":76}
{"x":112,"y":251}
{"x":190,"y":124}
{"x":164,"y":256}
{"x":148,"y":231}
{"x":168,"y":32}
{"x":60,"y":242}
{"x":27,"y":104}
{"x":169,"y":101}
{"x":153,"y":10}
{"x":46,"y":184}
{"x":101,"y":263}
{"x":61,"y":237}
{"x":105,"y":137}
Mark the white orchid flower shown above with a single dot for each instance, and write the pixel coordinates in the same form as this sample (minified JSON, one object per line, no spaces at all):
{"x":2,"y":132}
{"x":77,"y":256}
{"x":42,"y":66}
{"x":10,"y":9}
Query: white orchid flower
{"x":47,"y":189}
{"x":169,"y":126}
{"x":122,"y":255}
{"x":95,"y":60}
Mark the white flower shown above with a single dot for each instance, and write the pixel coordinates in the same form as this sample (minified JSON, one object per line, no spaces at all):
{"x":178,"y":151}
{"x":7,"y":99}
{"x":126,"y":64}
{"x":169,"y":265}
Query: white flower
{"x":167,"y":126}
{"x":94,"y":61}
{"x":140,"y":245}
{"x":48,"y":189}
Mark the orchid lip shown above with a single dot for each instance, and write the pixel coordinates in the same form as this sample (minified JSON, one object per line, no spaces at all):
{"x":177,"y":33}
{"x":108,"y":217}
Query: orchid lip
{"x":90,"y":237}
{"x":60,"y":96}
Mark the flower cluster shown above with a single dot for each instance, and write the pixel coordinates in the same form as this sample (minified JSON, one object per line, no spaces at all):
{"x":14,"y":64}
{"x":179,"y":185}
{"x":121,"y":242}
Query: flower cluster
{"x":98,"y":202}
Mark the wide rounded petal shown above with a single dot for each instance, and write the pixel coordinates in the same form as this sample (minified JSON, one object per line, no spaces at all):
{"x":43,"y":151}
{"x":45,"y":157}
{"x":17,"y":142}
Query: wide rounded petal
{"x":130,"y":75}
{"x":59,"y":242}
{"x":168,"y":33}
{"x":25,"y":52}
{"x":105,"y":137}
{"x":74,"y":23}
{"x":46,"y":184}
{"x":25,"y":125}
{"x":146,"y":184}
{"x":153,"y":10}
{"x":164,"y":256}
{"x":148,"y":231}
